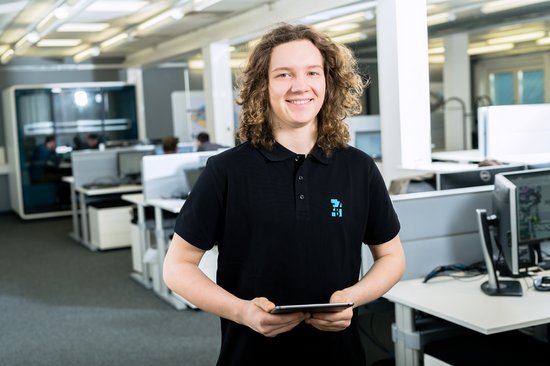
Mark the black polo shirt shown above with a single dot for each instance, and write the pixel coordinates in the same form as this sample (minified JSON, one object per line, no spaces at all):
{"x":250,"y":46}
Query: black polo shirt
{"x":289,"y":228}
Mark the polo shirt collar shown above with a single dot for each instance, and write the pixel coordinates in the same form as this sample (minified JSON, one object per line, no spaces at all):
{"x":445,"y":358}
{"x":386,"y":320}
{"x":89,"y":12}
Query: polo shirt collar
{"x":280,"y":153}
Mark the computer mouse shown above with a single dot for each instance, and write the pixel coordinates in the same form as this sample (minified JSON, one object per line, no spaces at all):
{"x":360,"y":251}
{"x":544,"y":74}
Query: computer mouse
{"x":542,"y":283}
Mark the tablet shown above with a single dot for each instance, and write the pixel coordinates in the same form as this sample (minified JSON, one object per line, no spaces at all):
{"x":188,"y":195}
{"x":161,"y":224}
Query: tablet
{"x":311,"y":308}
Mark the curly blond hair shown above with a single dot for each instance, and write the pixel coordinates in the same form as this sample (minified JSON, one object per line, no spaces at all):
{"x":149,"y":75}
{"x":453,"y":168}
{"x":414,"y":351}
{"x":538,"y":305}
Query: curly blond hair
{"x":344,"y":87}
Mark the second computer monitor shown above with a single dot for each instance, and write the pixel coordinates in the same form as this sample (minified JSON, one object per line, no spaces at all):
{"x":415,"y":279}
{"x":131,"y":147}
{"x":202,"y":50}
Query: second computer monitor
{"x":129,"y":164}
{"x":472,"y":178}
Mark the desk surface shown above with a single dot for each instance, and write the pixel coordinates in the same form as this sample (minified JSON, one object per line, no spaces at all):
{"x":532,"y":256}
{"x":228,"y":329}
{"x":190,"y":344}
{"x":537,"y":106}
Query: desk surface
{"x":168,"y":204}
{"x":136,"y":198}
{"x":463,"y":303}
{"x":124,"y":188}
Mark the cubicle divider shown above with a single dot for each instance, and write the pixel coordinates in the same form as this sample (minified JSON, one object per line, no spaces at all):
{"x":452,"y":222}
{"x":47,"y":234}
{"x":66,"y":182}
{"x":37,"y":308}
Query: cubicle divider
{"x":439,"y":228}
{"x":163,"y":176}
{"x":508,"y":130}
{"x":165,"y":187}
{"x":101,"y":218}
{"x":100,"y":166}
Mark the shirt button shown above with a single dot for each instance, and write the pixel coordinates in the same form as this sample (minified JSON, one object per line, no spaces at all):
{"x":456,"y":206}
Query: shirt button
{"x":302,"y":196}
{"x":300,"y":177}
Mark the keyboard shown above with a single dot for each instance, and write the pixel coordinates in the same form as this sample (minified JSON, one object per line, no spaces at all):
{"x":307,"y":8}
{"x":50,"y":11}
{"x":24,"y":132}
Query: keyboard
{"x":100,"y":185}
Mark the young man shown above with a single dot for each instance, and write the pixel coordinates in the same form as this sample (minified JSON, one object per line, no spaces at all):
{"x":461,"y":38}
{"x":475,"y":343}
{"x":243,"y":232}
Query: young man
{"x":289,"y":210}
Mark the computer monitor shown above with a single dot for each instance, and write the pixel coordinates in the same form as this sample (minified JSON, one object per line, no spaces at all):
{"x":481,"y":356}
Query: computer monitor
{"x":493,"y":286}
{"x":129,"y":164}
{"x":521,"y":203}
{"x":369,"y":142}
{"x":365,"y":134}
{"x":472,"y":178}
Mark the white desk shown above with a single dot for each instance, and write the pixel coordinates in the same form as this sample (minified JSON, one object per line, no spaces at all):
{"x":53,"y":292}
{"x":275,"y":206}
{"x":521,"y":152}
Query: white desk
{"x":475,"y":156}
{"x":174,"y":206}
{"x":143,"y":245}
{"x":461,"y":302}
{"x":208,"y":262}
{"x":460,"y":156}
{"x":79,"y":204}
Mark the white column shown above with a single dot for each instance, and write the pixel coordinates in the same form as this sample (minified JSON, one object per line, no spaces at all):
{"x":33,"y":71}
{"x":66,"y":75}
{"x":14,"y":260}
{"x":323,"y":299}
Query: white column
{"x":456,"y":91}
{"x":134,"y":76}
{"x":402,"y":39}
{"x":218,"y":93}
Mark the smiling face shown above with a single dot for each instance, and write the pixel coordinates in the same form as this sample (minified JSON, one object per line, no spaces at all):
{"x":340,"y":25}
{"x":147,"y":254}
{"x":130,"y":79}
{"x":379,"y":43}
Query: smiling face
{"x":296,"y":84}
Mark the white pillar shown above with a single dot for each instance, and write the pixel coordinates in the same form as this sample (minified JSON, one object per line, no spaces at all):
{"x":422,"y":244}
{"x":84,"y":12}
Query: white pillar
{"x":402,"y":43}
{"x":134,"y":76}
{"x":456,"y":91}
{"x":218,"y":93}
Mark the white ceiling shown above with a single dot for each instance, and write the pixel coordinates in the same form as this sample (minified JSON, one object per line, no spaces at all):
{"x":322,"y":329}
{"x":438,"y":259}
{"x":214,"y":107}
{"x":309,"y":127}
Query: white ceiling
{"x":231,"y":19}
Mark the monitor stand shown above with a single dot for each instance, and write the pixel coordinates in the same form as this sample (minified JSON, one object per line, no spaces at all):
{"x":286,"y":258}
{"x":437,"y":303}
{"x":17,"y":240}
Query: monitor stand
{"x":493,"y":286}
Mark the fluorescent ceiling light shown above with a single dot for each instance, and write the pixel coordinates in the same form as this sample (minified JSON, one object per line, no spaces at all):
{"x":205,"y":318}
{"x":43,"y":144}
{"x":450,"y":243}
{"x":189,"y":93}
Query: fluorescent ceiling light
{"x":113,"y":6}
{"x":543,"y":41}
{"x":199,"y":5}
{"x":7,"y":56}
{"x":86,"y":54}
{"x":500,"y":5}
{"x":441,"y":18}
{"x":436,"y":59}
{"x":27,"y":41}
{"x":343,"y":27}
{"x":114,"y":41}
{"x":490,"y":48}
{"x":436,"y":50}
{"x":335,"y":13}
{"x":517,"y":38}
{"x":82,"y":27}
{"x":62,"y":12}
{"x":174,"y":14}
{"x":67,"y":42}
{"x":343,"y":19}
{"x":350,"y":37}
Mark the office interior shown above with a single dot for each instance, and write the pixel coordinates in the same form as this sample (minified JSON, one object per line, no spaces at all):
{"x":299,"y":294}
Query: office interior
{"x":456,"y":107}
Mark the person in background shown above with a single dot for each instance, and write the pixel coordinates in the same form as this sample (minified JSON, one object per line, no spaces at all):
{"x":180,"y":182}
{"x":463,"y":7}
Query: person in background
{"x":45,"y":162}
{"x":169,"y":145}
{"x":289,"y":210}
{"x":92,"y":142}
{"x":204,"y":144}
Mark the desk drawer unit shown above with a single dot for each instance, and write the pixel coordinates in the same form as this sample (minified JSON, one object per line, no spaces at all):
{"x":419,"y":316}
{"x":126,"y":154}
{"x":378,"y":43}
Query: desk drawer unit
{"x":110,"y":227}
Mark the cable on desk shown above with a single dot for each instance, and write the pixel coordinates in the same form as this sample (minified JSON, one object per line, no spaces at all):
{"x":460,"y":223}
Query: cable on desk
{"x":457,"y":271}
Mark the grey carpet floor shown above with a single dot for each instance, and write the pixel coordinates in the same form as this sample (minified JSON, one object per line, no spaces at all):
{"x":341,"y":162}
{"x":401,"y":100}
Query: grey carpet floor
{"x":61,"y":304}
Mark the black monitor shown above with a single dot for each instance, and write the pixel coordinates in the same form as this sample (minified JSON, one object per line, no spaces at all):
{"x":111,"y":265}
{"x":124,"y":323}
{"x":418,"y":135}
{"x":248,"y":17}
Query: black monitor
{"x":472,"y":178}
{"x":129,"y":164}
{"x":493,"y":286}
{"x":521,"y":203}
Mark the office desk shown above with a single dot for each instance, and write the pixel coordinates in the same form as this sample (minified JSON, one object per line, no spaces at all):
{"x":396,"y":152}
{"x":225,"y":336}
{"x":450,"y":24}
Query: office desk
{"x":461,"y":302}
{"x":173,"y":206}
{"x":208,"y":262}
{"x":80,"y":200}
{"x":139,"y":253}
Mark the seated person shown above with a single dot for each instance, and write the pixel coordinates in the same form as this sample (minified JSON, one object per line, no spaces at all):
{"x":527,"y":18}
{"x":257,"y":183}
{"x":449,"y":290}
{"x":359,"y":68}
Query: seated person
{"x":45,"y":162}
{"x":92,"y":142}
{"x":204,"y":144}
{"x":170,"y":144}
